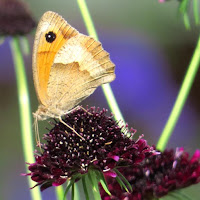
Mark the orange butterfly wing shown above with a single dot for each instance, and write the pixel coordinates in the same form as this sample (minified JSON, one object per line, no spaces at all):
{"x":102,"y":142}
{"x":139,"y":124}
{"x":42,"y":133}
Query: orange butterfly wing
{"x":44,"y":52}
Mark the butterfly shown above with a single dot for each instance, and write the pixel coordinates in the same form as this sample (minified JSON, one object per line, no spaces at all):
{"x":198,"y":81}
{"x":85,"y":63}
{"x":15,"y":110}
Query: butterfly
{"x":67,"y":66}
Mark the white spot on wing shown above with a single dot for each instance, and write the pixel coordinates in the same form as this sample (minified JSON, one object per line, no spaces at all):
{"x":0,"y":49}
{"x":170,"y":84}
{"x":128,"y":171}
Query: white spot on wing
{"x":44,"y":27}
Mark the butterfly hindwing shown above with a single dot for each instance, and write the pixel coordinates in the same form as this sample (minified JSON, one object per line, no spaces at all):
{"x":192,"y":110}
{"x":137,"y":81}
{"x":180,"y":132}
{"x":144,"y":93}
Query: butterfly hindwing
{"x":80,"y":66}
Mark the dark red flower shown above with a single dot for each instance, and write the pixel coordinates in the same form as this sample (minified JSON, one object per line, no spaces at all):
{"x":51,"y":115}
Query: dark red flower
{"x":157,"y":175}
{"x":15,"y":18}
{"x":105,"y":147}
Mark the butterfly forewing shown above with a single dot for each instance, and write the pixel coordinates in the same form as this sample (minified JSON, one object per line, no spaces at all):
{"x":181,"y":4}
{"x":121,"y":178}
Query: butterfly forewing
{"x":44,"y":52}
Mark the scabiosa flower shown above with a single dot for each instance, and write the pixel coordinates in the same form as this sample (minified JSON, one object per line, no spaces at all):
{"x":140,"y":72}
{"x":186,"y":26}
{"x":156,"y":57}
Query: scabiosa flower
{"x":157,"y":175}
{"x":15,"y":18}
{"x":104,"y":148}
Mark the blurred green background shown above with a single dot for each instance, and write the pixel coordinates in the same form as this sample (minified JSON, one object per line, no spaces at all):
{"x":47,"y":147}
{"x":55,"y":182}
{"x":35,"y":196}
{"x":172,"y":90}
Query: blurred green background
{"x":151,"y":49}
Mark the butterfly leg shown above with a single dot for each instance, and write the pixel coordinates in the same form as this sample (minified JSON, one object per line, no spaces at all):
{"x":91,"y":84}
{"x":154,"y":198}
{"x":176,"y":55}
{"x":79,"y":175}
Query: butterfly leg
{"x":80,"y":107}
{"x":71,"y":128}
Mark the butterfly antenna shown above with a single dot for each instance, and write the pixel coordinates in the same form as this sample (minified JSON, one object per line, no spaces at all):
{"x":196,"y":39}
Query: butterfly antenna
{"x":71,"y":128}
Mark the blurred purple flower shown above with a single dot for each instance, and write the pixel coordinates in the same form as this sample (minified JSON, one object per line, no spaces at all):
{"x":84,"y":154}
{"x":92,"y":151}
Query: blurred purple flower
{"x":156,"y":176}
{"x":15,"y":18}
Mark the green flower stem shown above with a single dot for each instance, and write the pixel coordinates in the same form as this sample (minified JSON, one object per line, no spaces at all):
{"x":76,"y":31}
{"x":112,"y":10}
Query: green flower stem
{"x":25,"y":45}
{"x":24,"y":109}
{"x":106,"y":87}
{"x":186,"y":21}
{"x":72,"y":193}
{"x":183,"y":9}
{"x":196,"y":11}
{"x":181,"y":99}
{"x":76,"y":192}
{"x":59,"y":193}
{"x":183,"y":6}
{"x":2,"y":40}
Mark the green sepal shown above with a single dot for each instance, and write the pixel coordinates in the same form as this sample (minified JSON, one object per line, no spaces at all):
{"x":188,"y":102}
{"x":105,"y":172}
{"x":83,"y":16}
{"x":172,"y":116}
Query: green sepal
{"x":76,"y":191}
{"x":121,"y":183}
{"x":72,"y":181}
{"x":67,"y":189}
{"x":93,"y":179}
{"x":103,"y":182}
{"x":85,"y":187}
{"x":125,"y":181}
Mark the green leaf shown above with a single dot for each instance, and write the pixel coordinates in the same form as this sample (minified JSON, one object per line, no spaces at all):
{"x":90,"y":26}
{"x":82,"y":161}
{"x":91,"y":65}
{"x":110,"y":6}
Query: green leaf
{"x":124,"y":180}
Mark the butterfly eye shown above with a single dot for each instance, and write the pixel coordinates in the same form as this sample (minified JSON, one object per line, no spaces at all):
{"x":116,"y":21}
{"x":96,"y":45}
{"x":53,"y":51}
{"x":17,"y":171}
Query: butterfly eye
{"x":50,"y":36}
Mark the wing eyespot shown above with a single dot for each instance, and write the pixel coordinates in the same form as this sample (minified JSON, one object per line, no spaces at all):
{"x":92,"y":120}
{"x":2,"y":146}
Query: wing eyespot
{"x":50,"y":36}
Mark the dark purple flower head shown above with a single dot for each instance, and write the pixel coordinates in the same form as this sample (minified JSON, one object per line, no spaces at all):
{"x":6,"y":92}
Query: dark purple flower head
{"x":157,"y":175}
{"x":15,"y":18}
{"x":105,"y":147}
